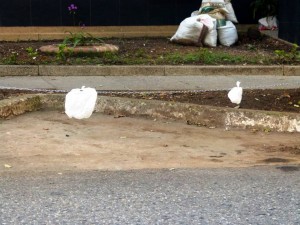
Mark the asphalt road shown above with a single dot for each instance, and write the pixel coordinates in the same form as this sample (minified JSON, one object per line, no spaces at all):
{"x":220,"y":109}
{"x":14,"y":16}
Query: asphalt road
{"x":256,"y":195}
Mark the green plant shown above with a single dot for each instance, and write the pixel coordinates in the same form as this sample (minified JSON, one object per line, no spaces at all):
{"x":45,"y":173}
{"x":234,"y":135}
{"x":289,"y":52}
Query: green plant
{"x":32,"y":53}
{"x":204,"y":56}
{"x":288,"y":56}
{"x":264,"y":8}
{"x":62,"y":53}
{"x":12,"y":58}
{"x":65,"y":49}
{"x":81,"y":39}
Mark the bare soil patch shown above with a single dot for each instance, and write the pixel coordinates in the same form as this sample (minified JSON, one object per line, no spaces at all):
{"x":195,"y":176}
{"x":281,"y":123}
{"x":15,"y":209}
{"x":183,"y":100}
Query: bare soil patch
{"x":287,"y":100}
{"x":50,"y":141}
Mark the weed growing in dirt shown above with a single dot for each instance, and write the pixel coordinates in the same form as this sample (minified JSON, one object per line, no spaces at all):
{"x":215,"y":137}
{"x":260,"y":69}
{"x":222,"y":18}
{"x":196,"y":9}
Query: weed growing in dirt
{"x":81,"y":39}
{"x":288,"y":56}
{"x":32,"y":53}
{"x":204,"y":56}
{"x":63,"y":52}
{"x":65,"y":49}
{"x":11,"y":59}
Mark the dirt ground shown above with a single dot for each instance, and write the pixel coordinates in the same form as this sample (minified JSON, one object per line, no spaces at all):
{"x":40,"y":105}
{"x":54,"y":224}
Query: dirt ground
{"x":151,"y":51}
{"x":49,"y":141}
{"x":270,"y":100}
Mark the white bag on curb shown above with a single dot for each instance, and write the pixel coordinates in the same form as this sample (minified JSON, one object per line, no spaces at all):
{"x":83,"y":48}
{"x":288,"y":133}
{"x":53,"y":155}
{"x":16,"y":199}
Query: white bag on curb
{"x":80,"y":102}
{"x":228,"y":34}
{"x":236,"y":94}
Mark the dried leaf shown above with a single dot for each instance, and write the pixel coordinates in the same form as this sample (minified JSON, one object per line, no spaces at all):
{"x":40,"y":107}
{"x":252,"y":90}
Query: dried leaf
{"x":119,"y":116}
{"x":285,"y":95}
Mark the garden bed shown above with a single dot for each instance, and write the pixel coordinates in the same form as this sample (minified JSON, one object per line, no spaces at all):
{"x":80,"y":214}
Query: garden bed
{"x":157,"y":51}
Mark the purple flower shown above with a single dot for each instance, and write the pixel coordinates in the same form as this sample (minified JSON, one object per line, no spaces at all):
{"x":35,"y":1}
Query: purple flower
{"x":72,"y":8}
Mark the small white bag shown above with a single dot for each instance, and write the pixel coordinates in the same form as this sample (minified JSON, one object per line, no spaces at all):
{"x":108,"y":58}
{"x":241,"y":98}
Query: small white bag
{"x":236,"y":94}
{"x":80,"y":102}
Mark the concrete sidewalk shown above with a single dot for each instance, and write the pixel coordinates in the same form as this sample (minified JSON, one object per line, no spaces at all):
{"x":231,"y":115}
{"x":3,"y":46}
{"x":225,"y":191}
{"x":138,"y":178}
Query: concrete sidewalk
{"x":129,"y":83}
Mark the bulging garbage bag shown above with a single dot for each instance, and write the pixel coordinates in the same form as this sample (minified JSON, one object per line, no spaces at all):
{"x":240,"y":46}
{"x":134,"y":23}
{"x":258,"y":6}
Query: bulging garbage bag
{"x":80,"y":102}
{"x":228,"y":34}
{"x":193,"y":30}
{"x":235,"y":94}
{"x":231,"y":14}
{"x":211,"y":38}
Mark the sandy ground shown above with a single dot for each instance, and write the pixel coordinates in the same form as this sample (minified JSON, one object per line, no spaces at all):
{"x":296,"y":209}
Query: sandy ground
{"x":49,"y":141}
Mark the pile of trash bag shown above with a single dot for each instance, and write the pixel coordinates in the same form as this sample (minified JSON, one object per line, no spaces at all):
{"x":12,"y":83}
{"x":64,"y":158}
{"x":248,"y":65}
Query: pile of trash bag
{"x":268,"y":23}
{"x":213,"y":22}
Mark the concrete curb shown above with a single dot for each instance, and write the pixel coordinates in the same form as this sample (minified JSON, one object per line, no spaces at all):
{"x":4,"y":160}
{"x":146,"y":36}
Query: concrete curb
{"x":165,"y":70}
{"x":19,"y":70}
{"x":19,"y":105}
{"x":206,"y":116}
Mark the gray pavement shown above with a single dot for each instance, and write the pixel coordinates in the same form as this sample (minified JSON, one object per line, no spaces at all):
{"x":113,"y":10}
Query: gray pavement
{"x":257,"y":195}
{"x":151,"y":82}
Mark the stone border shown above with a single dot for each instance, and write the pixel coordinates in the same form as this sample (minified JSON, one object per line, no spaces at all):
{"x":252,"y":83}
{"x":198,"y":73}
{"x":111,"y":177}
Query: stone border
{"x":207,"y":116}
{"x":80,"y":49}
{"x":165,"y":70}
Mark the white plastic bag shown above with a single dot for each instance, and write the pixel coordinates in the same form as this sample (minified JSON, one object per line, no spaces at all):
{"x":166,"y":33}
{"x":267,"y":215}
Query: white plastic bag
{"x":268,"y":23}
{"x":231,"y":14}
{"x":80,"y":102}
{"x":235,"y":94}
{"x":211,"y":38}
{"x":195,"y":13}
{"x":228,"y":34}
{"x":193,"y":30}
{"x":207,"y":20}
